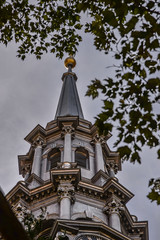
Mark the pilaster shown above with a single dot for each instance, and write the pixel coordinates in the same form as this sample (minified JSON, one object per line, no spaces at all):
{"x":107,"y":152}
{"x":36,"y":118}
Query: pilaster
{"x":98,"y":141}
{"x":113,"y":209}
{"x":36,"y":166}
{"x":67,"y":132}
{"x":66,"y":193}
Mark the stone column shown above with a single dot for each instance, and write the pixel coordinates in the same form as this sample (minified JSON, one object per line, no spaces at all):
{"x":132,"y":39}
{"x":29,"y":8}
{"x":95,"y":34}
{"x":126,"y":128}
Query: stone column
{"x":36,"y":166}
{"x":66,"y":198}
{"x":67,"y":132}
{"x":113,"y":210}
{"x":91,"y":162}
{"x":99,"y":162}
{"x":44,"y":168}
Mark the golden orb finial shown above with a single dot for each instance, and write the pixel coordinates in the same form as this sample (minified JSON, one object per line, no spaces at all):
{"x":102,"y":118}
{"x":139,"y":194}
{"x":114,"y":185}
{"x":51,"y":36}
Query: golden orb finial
{"x":70,"y":61}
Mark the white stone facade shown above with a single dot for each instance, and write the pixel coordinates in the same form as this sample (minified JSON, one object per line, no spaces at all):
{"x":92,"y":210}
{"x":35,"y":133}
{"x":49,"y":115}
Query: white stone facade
{"x":70,"y":171}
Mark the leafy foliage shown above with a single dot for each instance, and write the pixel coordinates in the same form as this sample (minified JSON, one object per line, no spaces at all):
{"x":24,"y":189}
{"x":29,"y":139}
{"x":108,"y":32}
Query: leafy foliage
{"x":154,"y":195}
{"x":130,"y":30}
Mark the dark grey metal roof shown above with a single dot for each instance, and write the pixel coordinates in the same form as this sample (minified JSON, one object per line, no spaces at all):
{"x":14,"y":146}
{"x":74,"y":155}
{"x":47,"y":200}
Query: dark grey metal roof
{"x":69,"y":103}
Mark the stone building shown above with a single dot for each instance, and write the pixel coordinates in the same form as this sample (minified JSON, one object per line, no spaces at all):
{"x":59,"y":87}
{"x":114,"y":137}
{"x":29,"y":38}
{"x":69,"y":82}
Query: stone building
{"x":70,"y":170}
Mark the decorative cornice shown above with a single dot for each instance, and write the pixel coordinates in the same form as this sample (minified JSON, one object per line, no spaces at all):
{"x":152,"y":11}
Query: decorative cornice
{"x":37,"y":131}
{"x":114,"y":187}
{"x":70,"y":226}
{"x":71,"y":174}
{"x":21,"y":191}
{"x":99,"y":174}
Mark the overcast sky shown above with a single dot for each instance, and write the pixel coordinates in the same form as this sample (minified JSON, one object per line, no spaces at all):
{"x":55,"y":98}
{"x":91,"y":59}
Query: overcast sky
{"x":29,"y":93}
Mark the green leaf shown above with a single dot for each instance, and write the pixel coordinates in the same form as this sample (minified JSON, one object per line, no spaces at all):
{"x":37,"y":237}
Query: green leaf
{"x":108,"y":104}
{"x":150,"y":18}
{"x":109,"y":17}
{"x":131,"y":24}
{"x":117,"y":56}
{"x":149,"y":63}
{"x":153,"y":83}
{"x":141,"y":139}
{"x":153,"y":195}
{"x":135,"y":157}
{"x":129,"y":139}
{"x":151,"y":182}
{"x":154,"y":44}
{"x":125,"y":152}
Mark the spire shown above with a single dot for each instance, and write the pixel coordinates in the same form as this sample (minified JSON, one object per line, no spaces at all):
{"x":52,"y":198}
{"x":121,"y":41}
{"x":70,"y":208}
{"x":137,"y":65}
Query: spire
{"x":69,"y":103}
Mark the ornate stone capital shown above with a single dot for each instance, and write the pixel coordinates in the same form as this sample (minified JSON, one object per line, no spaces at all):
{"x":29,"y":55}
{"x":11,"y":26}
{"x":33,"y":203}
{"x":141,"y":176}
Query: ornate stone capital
{"x":26,"y":169}
{"x":98,"y":139}
{"x":20,"y":211}
{"x":113,"y":207}
{"x":67,"y":129}
{"x":39,"y":142}
{"x":112,"y":167}
{"x":66,"y":190}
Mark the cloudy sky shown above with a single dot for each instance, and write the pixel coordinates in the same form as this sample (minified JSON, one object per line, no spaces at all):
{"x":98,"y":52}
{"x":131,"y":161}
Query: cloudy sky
{"x":29,"y":93}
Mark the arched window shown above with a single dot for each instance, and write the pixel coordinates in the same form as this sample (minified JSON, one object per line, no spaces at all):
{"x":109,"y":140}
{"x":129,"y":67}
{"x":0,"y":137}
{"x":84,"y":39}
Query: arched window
{"x":82,"y":157}
{"x":54,"y":157}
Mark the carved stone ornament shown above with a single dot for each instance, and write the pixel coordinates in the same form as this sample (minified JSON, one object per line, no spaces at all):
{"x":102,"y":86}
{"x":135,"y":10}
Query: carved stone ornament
{"x":66,"y":190}
{"x":112,"y":166}
{"x":98,"y":139}
{"x":67,"y":129}
{"x":113,"y":207}
{"x":61,"y":236}
{"x":38,"y":142}
{"x":26,"y":169}
{"x":66,"y":165}
{"x":20,"y":211}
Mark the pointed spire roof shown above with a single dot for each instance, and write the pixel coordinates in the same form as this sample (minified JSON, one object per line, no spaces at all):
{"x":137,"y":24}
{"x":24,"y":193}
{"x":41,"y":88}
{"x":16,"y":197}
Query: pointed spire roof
{"x":69,"y":103}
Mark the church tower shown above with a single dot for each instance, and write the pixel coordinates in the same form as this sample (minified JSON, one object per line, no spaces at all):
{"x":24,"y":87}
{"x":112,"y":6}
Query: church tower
{"x":70,"y":170}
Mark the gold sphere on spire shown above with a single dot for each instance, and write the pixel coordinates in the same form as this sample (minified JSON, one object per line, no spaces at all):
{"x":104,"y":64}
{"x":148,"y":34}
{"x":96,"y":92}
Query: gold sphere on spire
{"x":70,"y":61}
